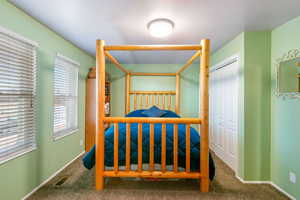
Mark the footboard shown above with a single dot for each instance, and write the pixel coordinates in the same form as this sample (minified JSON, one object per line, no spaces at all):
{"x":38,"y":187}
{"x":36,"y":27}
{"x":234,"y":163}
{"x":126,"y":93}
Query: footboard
{"x":149,"y":172}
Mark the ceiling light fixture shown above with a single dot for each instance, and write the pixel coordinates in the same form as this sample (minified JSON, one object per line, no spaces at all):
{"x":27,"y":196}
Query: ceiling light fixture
{"x":160,"y":27}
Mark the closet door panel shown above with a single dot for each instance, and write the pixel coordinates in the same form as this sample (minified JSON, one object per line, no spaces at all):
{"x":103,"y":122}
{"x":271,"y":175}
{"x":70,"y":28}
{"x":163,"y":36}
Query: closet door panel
{"x":212,"y":110}
{"x":224,"y":107}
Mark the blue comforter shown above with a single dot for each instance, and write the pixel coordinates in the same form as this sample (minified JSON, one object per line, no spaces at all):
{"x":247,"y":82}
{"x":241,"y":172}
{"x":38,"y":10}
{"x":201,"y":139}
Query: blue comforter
{"x":89,"y":158}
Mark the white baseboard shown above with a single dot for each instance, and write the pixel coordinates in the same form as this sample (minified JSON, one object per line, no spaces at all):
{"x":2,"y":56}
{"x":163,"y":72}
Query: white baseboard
{"x":282,"y":191}
{"x":252,"y":182}
{"x":267,"y":182}
{"x":51,"y":177}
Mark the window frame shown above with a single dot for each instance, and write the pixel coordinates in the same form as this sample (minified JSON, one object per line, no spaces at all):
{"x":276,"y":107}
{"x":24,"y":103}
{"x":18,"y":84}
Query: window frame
{"x":69,"y":131}
{"x":35,"y":45}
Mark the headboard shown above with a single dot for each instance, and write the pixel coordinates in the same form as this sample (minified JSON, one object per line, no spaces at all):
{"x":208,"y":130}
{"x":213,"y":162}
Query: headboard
{"x":167,"y":100}
{"x":145,"y":99}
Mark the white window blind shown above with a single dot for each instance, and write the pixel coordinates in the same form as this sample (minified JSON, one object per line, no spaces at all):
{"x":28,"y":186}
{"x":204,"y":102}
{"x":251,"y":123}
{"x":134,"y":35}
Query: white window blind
{"x":65,"y":96}
{"x":17,"y":95}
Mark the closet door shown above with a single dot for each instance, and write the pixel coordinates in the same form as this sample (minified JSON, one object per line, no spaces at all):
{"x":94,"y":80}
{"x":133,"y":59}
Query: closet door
{"x":223,"y":113}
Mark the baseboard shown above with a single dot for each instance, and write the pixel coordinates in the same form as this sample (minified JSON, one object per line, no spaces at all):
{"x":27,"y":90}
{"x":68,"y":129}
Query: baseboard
{"x":51,"y":177}
{"x":252,"y":182}
{"x":282,"y":191}
{"x":267,"y":182}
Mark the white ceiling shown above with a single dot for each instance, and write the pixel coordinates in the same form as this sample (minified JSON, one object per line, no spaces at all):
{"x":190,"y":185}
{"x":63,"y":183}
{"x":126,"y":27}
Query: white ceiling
{"x":124,"y":22}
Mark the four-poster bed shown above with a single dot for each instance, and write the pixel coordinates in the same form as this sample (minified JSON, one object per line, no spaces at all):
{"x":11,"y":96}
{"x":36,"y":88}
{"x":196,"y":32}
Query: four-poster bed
{"x":102,"y":50}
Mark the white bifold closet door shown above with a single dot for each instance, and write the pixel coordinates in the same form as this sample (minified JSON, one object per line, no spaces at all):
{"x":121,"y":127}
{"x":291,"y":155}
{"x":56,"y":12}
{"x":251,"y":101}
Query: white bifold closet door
{"x":223,"y":113}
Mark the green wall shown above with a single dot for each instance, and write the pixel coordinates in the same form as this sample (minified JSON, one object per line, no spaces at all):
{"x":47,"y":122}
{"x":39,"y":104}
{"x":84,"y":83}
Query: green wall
{"x":253,"y":49}
{"x":21,"y":175}
{"x":285,"y":120}
{"x":189,"y":79}
{"x":257,"y":105}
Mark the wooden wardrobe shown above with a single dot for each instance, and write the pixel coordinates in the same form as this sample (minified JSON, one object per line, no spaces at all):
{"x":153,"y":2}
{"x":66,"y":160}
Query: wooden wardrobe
{"x":90,"y":107}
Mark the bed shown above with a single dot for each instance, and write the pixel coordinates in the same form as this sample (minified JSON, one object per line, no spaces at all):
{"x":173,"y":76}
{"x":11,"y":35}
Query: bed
{"x":89,"y":158}
{"x":136,"y":140}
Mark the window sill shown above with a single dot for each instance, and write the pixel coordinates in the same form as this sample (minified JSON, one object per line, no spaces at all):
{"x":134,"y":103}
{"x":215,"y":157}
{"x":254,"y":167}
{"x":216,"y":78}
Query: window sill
{"x":65,"y":134}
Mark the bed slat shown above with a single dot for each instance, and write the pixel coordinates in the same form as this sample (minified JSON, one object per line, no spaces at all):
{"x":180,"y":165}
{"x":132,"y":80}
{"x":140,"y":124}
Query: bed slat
{"x":147,"y":101}
{"x":128,"y":146}
{"x":164,"y":100}
{"x":170,"y":102}
{"x":163,"y":147}
{"x":153,"y":99}
{"x":175,"y":148}
{"x":135,"y":102}
{"x":140,"y":147}
{"x":141,"y":101}
{"x":116,"y":147}
{"x":151,"y":165}
{"x":187,"y":148}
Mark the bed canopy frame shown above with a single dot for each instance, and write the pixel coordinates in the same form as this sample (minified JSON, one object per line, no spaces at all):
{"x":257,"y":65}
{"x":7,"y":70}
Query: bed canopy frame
{"x":202,"y":51}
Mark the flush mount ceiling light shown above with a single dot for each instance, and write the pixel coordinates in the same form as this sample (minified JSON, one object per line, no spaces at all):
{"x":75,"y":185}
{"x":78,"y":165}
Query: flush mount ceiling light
{"x":160,"y":27}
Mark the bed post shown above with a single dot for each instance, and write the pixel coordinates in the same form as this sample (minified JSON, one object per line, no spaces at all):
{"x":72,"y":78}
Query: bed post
{"x":127,"y":93}
{"x":204,"y":109}
{"x":100,"y":100}
{"x":177,"y":97}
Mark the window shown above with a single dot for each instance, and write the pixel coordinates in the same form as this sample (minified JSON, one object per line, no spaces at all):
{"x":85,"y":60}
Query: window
{"x":17,"y":95}
{"x":65,"y":96}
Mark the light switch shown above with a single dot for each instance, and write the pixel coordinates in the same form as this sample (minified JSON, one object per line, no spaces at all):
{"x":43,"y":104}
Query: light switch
{"x":293,"y":177}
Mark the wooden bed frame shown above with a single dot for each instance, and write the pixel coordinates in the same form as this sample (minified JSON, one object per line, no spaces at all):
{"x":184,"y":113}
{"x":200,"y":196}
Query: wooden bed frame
{"x":202,"y":50}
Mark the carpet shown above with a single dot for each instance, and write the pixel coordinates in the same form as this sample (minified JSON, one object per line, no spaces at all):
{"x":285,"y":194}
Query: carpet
{"x":77,"y":183}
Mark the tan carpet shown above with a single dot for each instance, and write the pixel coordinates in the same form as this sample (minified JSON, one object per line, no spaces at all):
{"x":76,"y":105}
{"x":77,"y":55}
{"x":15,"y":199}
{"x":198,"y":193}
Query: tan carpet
{"x":79,"y":185}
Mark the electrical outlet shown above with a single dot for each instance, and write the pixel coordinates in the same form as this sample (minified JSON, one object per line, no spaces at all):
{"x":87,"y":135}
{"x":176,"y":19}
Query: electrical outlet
{"x":293,"y":177}
{"x":81,"y":142}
